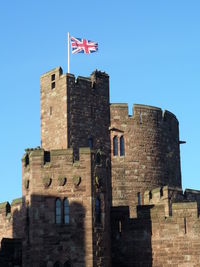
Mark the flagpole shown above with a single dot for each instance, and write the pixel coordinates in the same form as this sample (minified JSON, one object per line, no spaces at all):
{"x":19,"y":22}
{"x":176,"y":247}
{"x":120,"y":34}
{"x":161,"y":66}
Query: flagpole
{"x":68,"y":54}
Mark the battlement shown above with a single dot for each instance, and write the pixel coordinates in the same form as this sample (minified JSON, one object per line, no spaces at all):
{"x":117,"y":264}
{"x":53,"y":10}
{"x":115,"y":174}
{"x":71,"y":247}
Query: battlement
{"x":83,"y":99}
{"x":47,"y":172}
{"x":6,"y":208}
{"x":142,"y":114}
{"x":163,"y":196}
{"x":51,"y":157}
{"x":174,"y":201}
{"x":87,"y":82}
{"x":158,"y":194}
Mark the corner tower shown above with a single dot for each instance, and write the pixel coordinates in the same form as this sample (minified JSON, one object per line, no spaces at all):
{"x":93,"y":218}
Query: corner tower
{"x":75,"y":112}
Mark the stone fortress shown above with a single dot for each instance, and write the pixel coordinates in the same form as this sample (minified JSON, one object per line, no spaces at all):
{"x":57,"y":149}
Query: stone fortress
{"x":104,"y":189}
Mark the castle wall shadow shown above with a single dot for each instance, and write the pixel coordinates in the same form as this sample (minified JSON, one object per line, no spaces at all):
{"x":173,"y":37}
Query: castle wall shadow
{"x":49,"y":238}
{"x":131,"y":238}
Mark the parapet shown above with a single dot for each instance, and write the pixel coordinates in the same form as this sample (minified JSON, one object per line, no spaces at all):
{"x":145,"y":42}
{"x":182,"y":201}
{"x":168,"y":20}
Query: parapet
{"x":175,"y":202}
{"x":50,"y":157}
{"x":143,"y":114}
{"x":6,"y":209}
{"x":88,"y":82}
{"x":55,"y":70}
{"x":185,"y":209}
{"x":158,"y":194}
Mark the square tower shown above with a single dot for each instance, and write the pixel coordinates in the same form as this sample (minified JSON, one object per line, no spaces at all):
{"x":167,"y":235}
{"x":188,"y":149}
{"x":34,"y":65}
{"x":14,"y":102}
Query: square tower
{"x":75,"y":112}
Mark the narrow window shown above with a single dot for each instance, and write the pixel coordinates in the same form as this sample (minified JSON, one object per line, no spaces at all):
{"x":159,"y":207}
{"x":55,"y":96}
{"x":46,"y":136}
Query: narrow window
{"x":185,"y":225}
{"x":26,"y":160}
{"x":47,"y":156}
{"x":98,"y":210}
{"x":122,"y":152}
{"x":90,"y":142}
{"x":161,"y":192}
{"x":115,"y":146}
{"x":58,"y":211}
{"x":139,"y":198}
{"x":140,"y":117}
{"x":150,"y":195}
{"x":53,"y":85}
{"x":50,"y":111}
{"x":67,"y":264}
{"x":98,"y":158}
{"x":53,"y":76}
{"x":66,"y":211}
{"x":120,"y":227}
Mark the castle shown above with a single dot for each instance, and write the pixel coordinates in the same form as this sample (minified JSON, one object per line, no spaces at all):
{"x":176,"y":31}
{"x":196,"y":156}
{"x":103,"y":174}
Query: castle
{"x":104,"y":189}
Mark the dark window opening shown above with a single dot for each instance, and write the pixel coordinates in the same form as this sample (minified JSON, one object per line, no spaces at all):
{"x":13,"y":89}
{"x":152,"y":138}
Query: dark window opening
{"x":161,"y":191}
{"x":98,"y":210}
{"x":51,"y":110}
{"x":26,"y":160}
{"x":8,"y":209}
{"x":139,"y":198}
{"x":98,"y":158}
{"x":150,"y":195}
{"x":47,"y":156}
{"x":53,"y":77}
{"x":122,"y":150}
{"x":58,"y":211}
{"x":140,"y":117}
{"x":185,"y":225}
{"x":90,"y":142}
{"x":53,"y":85}
{"x":115,"y":146}
{"x":66,"y":211}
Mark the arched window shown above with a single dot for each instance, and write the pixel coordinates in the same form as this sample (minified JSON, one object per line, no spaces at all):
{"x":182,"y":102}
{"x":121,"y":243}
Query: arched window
{"x":122,"y":151}
{"x":58,"y":211}
{"x":98,"y":210}
{"x":57,"y":264}
{"x":115,"y":146}
{"x":67,"y":264}
{"x":66,"y":211}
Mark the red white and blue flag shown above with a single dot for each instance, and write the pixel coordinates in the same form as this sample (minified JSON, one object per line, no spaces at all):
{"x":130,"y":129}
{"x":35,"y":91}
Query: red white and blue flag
{"x":83,"y":46}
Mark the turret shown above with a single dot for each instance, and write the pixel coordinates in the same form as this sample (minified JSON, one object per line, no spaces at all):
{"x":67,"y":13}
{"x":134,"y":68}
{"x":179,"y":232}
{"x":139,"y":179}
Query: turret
{"x":151,"y":155}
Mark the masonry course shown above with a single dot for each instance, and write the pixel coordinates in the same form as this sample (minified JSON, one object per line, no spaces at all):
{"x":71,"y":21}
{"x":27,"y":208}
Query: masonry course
{"x":104,"y":189}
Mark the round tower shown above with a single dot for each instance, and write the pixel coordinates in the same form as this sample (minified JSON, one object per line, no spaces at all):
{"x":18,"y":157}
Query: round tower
{"x":144,"y":151}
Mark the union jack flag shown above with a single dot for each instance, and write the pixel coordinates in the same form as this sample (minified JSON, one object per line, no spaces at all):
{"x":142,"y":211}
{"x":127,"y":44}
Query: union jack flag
{"x":83,"y":46}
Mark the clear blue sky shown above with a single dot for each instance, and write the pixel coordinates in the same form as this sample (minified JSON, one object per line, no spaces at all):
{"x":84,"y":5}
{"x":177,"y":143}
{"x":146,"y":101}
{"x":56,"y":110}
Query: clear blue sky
{"x":150,"y":49}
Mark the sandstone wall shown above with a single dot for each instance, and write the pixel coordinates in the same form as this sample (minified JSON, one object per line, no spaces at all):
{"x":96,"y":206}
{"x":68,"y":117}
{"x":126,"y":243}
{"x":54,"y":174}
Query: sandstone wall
{"x":83,"y":241}
{"x":89,"y":111}
{"x":152,"y":156}
{"x":75,"y":111}
{"x":53,"y":110}
{"x":11,"y":219}
{"x":165,"y":232}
